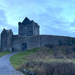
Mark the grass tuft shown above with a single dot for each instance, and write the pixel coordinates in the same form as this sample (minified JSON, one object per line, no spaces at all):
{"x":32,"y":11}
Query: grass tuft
{"x":4,"y":53}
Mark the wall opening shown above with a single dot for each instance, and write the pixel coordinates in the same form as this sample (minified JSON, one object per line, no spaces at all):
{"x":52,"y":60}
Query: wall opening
{"x":25,"y":34}
{"x":25,"y":27}
{"x":24,"y":46}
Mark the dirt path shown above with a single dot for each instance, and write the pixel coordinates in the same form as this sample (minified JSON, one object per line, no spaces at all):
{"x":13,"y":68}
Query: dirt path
{"x":5,"y":66}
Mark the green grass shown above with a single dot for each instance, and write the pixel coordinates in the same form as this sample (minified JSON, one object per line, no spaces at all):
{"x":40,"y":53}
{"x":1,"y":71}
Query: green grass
{"x":18,"y":59}
{"x":57,"y":60}
{"x":4,"y":53}
{"x":22,"y":57}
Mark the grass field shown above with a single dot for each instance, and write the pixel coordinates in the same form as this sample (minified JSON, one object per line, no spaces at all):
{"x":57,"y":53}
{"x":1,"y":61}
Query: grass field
{"x":35,"y":55}
{"x":38,"y":60}
{"x":4,"y":53}
{"x":21,"y":58}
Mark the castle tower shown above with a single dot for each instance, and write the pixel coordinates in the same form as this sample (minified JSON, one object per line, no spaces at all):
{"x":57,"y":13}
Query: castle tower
{"x":6,"y":39}
{"x":28,"y":28}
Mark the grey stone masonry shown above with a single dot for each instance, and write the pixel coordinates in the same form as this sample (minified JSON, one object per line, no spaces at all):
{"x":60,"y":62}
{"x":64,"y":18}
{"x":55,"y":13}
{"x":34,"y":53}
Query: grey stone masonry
{"x":28,"y":37}
{"x":28,"y":28}
{"x":6,"y":39}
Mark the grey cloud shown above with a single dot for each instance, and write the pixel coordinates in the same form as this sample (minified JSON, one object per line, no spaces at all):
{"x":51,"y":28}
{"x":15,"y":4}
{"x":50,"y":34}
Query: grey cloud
{"x":54,"y":10}
{"x":43,"y":14}
{"x":1,"y":7}
{"x":14,"y":28}
{"x":57,"y":25}
{"x":2,"y":14}
{"x":4,"y":23}
{"x":50,"y":14}
{"x":3,"y":20}
{"x":72,"y":23}
{"x":56,"y":31}
{"x":52,"y":20}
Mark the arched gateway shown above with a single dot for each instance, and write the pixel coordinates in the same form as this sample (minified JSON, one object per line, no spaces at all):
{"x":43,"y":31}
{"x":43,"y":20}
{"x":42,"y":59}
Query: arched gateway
{"x":24,"y":46}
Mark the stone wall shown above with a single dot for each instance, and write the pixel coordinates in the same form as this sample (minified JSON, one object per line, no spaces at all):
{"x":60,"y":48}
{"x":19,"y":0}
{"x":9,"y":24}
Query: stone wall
{"x":31,"y":41}
{"x":28,"y":28}
{"x":28,"y":37}
{"x":9,"y":40}
{"x":28,"y":31}
{"x":3,"y":40}
{"x":35,"y":29}
{"x":39,"y":41}
{"x":55,"y":40}
{"x":6,"y":40}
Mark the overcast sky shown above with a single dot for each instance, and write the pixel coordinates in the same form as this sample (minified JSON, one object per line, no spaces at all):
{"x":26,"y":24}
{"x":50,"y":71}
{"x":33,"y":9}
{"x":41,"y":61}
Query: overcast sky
{"x":55,"y":17}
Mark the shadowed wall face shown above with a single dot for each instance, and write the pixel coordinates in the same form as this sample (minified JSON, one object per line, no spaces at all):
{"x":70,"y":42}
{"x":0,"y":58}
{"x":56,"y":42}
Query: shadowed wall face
{"x":24,"y":43}
{"x":6,"y":39}
{"x":28,"y":38}
{"x":28,"y":28}
{"x":25,"y":30}
{"x":3,"y":40}
{"x":30,"y":42}
{"x":24,"y":46}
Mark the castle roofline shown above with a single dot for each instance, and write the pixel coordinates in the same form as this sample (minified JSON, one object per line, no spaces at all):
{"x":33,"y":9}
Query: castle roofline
{"x":25,"y":20}
{"x":7,"y":31}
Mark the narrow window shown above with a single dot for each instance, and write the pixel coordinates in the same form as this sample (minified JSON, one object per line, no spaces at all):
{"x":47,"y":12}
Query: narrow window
{"x":34,"y":27}
{"x":25,"y":27}
{"x":25,"y":34}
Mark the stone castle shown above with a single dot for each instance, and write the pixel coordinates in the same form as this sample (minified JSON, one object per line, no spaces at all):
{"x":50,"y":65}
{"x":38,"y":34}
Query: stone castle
{"x":28,"y":37}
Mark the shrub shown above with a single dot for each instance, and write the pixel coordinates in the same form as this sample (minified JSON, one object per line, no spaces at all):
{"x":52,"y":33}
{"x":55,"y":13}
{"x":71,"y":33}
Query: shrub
{"x":49,"y":45}
{"x":67,"y":50}
{"x":52,"y":68}
{"x":72,"y":55}
{"x":73,"y":47}
{"x":73,"y":40}
{"x":55,"y":50}
{"x":68,"y":42}
{"x":60,"y":42}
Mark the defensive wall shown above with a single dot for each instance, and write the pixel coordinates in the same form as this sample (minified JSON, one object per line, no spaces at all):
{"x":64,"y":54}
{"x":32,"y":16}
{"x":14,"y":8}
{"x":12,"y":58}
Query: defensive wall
{"x":28,"y":37}
{"x":39,"y":41}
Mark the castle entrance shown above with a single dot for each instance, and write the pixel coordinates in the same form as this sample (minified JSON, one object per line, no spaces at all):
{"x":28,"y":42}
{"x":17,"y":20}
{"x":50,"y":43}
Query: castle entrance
{"x":24,"y":46}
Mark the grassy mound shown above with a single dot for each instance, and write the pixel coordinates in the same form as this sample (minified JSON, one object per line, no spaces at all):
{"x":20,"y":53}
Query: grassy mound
{"x":53,"y":68}
{"x":21,"y":58}
{"x":47,"y":54}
